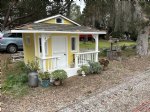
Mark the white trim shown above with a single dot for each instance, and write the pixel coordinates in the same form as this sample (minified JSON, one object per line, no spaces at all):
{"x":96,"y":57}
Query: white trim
{"x":43,"y":51}
{"x":46,"y":47}
{"x":87,"y":52}
{"x":62,"y":32}
{"x":96,"y":37}
{"x":76,"y":44}
{"x":39,"y":21}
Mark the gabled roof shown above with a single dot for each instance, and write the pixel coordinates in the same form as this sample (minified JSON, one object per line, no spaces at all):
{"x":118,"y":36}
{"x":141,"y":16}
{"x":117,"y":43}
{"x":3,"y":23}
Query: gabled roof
{"x":56,"y":28}
{"x":59,"y":15}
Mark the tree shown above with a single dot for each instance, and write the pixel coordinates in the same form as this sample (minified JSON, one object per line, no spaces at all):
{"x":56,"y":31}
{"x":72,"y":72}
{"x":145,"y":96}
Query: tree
{"x":142,"y":9}
{"x":75,"y":12}
{"x":17,"y":12}
{"x":121,"y":16}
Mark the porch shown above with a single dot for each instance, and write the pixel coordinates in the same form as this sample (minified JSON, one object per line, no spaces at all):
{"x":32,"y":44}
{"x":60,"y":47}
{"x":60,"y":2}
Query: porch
{"x":55,"y":61}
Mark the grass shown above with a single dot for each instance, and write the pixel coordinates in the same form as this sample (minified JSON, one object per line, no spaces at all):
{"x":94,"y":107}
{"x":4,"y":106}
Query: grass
{"x":128,"y":52}
{"x":16,"y":79}
{"x":104,"y":44}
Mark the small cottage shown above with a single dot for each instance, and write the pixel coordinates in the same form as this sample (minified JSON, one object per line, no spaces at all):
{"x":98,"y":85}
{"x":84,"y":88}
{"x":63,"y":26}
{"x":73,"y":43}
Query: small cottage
{"x":54,"y":42}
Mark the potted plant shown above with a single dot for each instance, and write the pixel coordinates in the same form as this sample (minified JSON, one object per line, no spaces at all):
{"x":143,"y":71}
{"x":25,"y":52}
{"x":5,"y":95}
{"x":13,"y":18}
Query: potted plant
{"x":44,"y":79}
{"x":58,"y":76}
{"x":33,"y":68}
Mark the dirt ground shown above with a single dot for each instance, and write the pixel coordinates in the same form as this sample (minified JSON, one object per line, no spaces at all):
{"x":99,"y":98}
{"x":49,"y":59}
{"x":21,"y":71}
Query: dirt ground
{"x":75,"y":88}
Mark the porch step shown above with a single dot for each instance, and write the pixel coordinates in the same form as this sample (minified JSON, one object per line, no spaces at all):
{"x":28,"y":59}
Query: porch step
{"x":71,"y":71}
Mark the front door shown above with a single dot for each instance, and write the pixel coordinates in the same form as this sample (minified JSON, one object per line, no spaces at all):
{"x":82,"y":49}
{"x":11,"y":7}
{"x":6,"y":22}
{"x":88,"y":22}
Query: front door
{"x":59,"y":48}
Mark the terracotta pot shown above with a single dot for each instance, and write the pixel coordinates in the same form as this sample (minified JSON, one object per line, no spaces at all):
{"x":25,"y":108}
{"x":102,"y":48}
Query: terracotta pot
{"x":57,"y":82}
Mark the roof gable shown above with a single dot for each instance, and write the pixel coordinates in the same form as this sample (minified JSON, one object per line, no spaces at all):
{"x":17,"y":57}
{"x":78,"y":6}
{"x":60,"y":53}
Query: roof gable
{"x":57,"y":16}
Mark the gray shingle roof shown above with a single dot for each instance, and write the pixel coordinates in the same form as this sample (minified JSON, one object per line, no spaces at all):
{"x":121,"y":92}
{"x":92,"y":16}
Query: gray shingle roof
{"x":56,"y":27}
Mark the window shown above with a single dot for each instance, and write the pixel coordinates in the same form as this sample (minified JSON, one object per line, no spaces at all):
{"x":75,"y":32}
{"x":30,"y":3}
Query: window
{"x":73,"y":44}
{"x":9,"y":35}
{"x":40,"y":44}
{"x":58,"y":20}
{"x":46,"y":46}
{"x":19,"y":35}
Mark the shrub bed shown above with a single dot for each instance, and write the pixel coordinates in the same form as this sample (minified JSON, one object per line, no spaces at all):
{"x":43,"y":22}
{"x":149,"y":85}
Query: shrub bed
{"x":16,"y":79}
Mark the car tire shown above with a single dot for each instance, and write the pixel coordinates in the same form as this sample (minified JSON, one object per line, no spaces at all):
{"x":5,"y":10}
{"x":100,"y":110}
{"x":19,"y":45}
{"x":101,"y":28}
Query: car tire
{"x":12,"y":48}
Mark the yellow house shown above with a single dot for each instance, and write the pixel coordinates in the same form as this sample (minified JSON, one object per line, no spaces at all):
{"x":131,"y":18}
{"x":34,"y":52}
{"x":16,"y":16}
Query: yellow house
{"x":54,"y":41}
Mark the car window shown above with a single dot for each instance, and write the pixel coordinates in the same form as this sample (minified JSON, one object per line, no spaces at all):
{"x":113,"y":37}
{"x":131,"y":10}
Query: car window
{"x":19,"y":35}
{"x":9,"y":35}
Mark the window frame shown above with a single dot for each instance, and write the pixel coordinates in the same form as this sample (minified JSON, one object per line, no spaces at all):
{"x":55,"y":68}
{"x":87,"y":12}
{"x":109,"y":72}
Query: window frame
{"x":62,"y":21}
{"x":40,"y":46}
{"x":76,"y":43}
{"x":46,"y":47}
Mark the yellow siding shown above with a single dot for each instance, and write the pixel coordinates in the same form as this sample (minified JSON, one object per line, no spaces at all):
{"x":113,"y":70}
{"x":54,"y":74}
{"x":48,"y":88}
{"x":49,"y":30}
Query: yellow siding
{"x":29,"y":51}
{"x":36,"y":39}
{"x":70,"y":53}
{"x":53,"y":21}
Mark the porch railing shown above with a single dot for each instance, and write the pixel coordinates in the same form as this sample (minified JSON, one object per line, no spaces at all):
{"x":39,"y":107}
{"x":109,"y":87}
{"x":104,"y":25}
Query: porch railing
{"x":85,"y":57}
{"x":48,"y":63}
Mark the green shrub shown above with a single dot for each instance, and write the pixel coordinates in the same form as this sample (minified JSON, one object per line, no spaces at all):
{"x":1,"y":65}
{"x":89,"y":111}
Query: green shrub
{"x":84,"y":68}
{"x":116,"y":34}
{"x":95,"y":67}
{"x":134,"y":47}
{"x":123,"y":47}
{"x":33,"y":65}
{"x":59,"y":75}
{"x":44,"y":76}
{"x":16,"y":79}
{"x":103,"y":53}
{"x":79,"y":72}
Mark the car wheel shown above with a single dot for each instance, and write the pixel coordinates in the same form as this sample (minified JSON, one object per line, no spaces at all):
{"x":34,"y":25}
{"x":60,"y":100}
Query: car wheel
{"x":12,"y":48}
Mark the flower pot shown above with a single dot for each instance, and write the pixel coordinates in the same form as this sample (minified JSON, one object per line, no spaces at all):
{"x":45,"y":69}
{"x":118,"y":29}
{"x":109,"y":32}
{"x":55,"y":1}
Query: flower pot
{"x":33,"y":79}
{"x":57,"y":82}
{"x":45,"y":83}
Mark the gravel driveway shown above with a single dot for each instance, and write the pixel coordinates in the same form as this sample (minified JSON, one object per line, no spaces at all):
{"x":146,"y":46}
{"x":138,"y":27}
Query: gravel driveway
{"x":80,"y":91}
{"x":130,"y":96}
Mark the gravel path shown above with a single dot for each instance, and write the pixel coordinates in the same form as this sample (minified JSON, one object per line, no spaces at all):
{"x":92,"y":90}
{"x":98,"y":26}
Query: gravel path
{"x":123,"y":98}
{"x":76,"y":89}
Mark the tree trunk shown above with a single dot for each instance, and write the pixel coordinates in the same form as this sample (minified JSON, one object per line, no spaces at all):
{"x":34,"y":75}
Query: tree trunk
{"x":142,"y":42}
{"x":6,"y":17}
{"x":142,"y":39}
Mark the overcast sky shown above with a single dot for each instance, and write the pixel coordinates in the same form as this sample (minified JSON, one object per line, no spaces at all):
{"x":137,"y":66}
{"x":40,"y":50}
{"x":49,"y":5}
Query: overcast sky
{"x":81,"y":4}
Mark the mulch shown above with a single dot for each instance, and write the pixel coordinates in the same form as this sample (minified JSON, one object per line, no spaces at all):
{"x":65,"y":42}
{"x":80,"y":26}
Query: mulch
{"x":74,"y":88}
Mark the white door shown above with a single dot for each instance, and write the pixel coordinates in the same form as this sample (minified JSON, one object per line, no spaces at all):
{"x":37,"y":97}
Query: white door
{"x":59,"y":48}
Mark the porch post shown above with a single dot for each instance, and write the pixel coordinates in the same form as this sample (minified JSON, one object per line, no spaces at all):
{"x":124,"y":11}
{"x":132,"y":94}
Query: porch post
{"x":96,"y":46}
{"x":43,"y":52}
